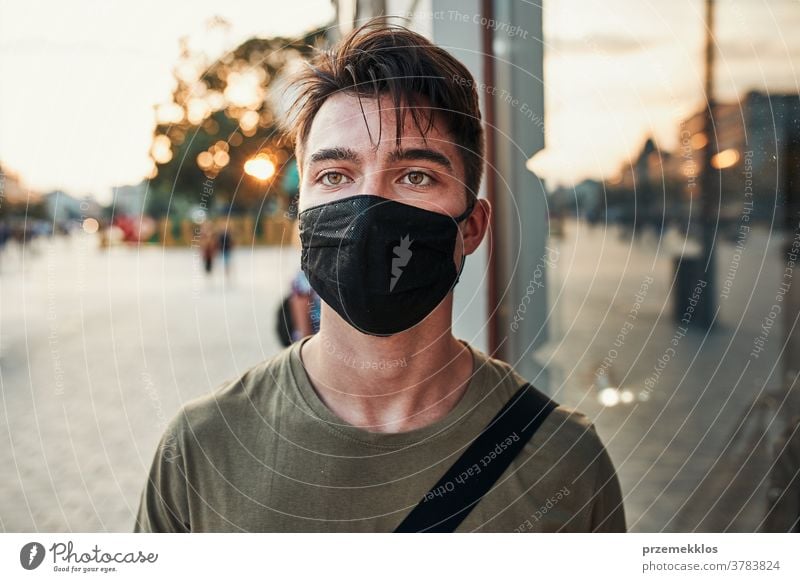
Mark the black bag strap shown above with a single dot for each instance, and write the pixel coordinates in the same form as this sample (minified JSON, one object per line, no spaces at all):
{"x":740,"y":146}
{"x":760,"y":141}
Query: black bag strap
{"x":448,"y":502}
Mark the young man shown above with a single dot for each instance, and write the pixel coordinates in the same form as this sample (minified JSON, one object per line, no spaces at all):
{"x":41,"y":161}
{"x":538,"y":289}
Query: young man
{"x":356,"y":426}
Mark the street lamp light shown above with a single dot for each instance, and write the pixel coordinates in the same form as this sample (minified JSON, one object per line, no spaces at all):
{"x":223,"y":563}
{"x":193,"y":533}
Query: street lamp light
{"x":725,"y":159}
{"x":260,"y":167}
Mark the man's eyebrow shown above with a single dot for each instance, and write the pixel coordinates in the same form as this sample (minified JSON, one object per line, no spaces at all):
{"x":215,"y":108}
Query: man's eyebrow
{"x":421,"y":154}
{"x":337,"y":154}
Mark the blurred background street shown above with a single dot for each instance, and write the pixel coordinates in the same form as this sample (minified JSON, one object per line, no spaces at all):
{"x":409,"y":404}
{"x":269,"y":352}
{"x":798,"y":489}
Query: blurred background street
{"x":92,"y":371}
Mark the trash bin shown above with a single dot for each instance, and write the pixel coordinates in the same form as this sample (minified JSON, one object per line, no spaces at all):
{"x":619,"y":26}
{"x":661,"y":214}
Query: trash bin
{"x":692,"y":300}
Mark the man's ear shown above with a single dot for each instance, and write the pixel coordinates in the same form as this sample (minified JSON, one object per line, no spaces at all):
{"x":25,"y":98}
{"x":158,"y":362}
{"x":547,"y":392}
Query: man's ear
{"x":474,"y":227}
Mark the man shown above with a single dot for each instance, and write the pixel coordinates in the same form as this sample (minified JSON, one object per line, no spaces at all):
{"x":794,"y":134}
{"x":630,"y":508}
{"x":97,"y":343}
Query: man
{"x":356,"y":426}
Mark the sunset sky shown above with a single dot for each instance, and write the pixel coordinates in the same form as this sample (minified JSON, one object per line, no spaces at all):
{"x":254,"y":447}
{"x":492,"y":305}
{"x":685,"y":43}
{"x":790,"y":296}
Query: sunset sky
{"x":81,"y":78}
{"x":618,"y":71}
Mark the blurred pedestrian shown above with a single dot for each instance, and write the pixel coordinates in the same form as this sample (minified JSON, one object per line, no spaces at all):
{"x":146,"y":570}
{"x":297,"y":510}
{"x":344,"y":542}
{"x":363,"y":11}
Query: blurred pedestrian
{"x":208,"y":246}
{"x":225,"y":243}
{"x":299,"y":312}
{"x":5,"y":234}
{"x":305,"y":308}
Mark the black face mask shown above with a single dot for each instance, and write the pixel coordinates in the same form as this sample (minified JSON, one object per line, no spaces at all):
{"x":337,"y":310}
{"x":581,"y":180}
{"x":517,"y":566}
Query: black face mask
{"x":383,"y":266}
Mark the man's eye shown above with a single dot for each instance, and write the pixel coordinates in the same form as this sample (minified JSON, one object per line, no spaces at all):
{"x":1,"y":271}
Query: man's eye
{"x":333,"y":178}
{"x":418,"y":179}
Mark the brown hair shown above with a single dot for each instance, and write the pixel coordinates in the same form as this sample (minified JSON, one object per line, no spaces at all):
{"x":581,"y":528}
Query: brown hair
{"x":382,"y":58}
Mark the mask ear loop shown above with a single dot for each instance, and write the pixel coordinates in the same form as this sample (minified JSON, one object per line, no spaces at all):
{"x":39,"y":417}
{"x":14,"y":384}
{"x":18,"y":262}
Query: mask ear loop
{"x":460,"y":218}
{"x":470,"y":207}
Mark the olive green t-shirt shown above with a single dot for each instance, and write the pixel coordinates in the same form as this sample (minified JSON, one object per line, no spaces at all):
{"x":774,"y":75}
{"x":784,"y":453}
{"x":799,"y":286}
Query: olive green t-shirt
{"x":263,"y":453}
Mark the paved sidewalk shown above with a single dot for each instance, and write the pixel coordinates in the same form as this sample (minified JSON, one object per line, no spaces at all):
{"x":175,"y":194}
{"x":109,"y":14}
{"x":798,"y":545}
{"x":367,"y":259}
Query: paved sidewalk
{"x":695,"y":455}
{"x":98,"y":350}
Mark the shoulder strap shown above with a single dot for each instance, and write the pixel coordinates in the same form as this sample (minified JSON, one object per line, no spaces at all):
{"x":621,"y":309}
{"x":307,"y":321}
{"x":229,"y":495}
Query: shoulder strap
{"x":446,"y":505}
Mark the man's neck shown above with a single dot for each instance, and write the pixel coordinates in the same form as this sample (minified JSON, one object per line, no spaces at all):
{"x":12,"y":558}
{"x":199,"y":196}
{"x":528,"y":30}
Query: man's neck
{"x":388,"y":384}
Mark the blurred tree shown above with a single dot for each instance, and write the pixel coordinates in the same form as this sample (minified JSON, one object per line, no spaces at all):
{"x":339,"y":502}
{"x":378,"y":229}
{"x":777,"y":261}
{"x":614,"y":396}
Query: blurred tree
{"x":217,"y":143}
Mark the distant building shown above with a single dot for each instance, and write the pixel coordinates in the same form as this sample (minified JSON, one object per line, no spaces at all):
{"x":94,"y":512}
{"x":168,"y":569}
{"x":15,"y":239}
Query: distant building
{"x":645,"y":192}
{"x":584,"y":199}
{"x":758,"y":139}
{"x":129,"y":200}
{"x":61,"y":207}
{"x":761,"y":135}
{"x":13,"y":191}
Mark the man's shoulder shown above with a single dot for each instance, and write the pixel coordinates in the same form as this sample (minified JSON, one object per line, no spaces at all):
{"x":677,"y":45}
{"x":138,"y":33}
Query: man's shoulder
{"x":238,"y":402}
{"x":564,"y":429}
{"x":568,"y":427}
{"x":568,"y":441}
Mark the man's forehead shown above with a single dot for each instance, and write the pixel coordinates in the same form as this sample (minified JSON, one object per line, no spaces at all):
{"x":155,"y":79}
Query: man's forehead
{"x":341,"y":122}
